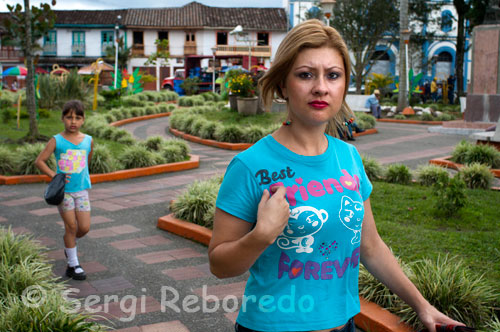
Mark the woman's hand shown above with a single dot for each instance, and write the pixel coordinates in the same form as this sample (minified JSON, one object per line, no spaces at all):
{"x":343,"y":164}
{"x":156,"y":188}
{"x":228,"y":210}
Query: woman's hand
{"x":272,"y":216}
{"x":67,"y":178}
{"x":430,"y":316}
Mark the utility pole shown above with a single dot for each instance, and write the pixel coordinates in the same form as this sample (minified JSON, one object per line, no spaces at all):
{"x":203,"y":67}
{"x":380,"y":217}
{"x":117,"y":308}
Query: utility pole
{"x":403,"y":28}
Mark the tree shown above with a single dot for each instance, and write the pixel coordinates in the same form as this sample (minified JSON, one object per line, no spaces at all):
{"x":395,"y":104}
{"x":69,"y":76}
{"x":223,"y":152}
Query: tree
{"x":474,"y":11}
{"x":124,"y":53}
{"x":158,"y":58}
{"x":24,"y":29}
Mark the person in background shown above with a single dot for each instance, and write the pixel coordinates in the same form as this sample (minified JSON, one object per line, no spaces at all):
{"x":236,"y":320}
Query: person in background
{"x":294,"y":209}
{"x":434,"y":90}
{"x":451,"y":88}
{"x":373,"y":104}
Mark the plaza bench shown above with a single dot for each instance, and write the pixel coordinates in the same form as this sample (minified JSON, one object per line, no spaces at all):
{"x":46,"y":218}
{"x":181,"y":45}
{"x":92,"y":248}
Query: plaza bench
{"x":357,"y":102}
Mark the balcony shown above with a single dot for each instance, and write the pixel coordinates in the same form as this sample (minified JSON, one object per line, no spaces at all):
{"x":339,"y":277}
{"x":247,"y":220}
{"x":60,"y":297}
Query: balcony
{"x":190,"y":48}
{"x":78,"y":49}
{"x":138,"y":50}
{"x":104,"y":46}
{"x":50,"y":49}
{"x":257,"y":51}
{"x":9,"y":53}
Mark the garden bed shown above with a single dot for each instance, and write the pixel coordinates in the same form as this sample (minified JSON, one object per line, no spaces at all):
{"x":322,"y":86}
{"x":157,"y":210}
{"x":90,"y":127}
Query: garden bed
{"x":432,"y":123}
{"x":372,"y":317}
{"x":193,"y":162}
{"x":139,"y":118}
{"x":446,"y":162}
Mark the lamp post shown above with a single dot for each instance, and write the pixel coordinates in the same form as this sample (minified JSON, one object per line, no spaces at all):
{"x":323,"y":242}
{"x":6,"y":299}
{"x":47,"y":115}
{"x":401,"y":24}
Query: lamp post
{"x":214,"y":49}
{"x":96,"y":68}
{"x":117,"y":28}
{"x":406,"y":38}
{"x":243,"y":36}
{"x":327,"y":6}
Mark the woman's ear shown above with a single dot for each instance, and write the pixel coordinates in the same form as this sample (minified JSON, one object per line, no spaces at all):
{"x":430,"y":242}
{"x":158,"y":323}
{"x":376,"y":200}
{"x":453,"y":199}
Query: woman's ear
{"x":282,"y":91}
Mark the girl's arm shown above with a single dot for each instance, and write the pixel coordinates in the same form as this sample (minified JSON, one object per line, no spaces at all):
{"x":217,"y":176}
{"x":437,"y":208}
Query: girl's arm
{"x":379,"y":261}
{"x":91,"y":152}
{"x":40,"y":161}
{"x":235,"y":246}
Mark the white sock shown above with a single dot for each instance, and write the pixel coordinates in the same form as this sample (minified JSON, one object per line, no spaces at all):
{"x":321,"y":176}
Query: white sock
{"x":72,"y":256}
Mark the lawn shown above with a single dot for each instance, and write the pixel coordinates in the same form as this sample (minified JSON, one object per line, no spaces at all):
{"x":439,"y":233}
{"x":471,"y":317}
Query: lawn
{"x":406,"y":221}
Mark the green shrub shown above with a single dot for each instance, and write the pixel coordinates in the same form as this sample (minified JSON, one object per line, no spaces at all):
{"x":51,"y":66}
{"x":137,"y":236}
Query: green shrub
{"x":445,"y":117}
{"x":427,"y":175}
{"x":190,"y":85}
{"x":44,"y":113}
{"x":137,"y":156}
{"x":373,"y":168}
{"x":476,"y":176}
{"x":196,"y":125}
{"x":196,"y":202}
{"x":483,"y":154}
{"x":459,"y":154}
{"x":7,"y":161}
{"x":107,"y":132}
{"x":367,"y":118}
{"x":183,"y":145}
{"x":110,"y":118}
{"x":230,"y":133}
{"x":102,"y":160}
{"x":127,"y":140}
{"x":171,"y":153}
{"x":450,"y":196}
{"x":6,"y":115}
{"x":153,"y":143}
{"x":453,"y":289}
{"x":207,"y":131}
{"x":398,"y":173}
{"x":117,"y":113}
{"x":175,"y":119}
{"x":493,"y":325}
{"x":27,"y":155}
{"x":132,"y":101}
{"x":400,"y":117}
{"x":163,"y":108}
{"x":118,"y":133}
{"x":6,"y":99}
{"x":253,"y":133}
{"x":426,"y":117}
{"x":184,"y":124}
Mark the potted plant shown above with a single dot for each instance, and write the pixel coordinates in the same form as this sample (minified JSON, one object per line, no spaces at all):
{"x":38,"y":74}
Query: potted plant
{"x":244,"y":88}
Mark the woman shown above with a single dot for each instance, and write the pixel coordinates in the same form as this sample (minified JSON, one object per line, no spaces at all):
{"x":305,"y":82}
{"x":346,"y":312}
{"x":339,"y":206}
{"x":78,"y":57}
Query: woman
{"x":294,"y":209}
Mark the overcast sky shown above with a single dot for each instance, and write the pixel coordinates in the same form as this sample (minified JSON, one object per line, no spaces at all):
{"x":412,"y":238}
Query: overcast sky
{"x":118,"y":4}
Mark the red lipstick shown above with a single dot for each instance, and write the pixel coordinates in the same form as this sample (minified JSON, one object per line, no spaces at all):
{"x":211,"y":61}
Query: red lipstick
{"x":318,"y":104}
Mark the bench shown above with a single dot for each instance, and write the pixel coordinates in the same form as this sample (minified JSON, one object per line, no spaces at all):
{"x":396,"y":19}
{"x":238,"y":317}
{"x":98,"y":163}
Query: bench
{"x":357,"y":102}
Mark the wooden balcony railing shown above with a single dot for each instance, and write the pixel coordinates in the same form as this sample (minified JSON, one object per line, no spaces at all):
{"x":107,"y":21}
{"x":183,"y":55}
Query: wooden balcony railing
{"x":189,"y":48}
{"x":10,"y":54}
{"x":104,"y":47}
{"x":264,"y":51}
{"x":50,"y":49}
{"x":78,"y":49}
{"x":138,"y":50}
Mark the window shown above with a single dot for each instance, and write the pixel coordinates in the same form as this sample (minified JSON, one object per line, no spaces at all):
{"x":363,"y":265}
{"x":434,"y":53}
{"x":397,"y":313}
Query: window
{"x":380,"y":56}
{"x":138,"y":38}
{"x":163,"y":35}
{"x":262,"y":38}
{"x":78,"y":46}
{"x":222,"y":38}
{"x":190,"y":36}
{"x":446,"y":21}
{"x":444,"y":57}
{"x":50,"y":43}
{"x":107,"y":40}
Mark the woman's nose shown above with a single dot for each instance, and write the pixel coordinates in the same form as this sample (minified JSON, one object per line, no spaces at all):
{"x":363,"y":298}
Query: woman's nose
{"x":320,"y":87}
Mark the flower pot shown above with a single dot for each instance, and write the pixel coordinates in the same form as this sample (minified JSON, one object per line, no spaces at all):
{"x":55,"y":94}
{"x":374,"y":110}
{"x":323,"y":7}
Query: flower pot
{"x":232,"y":102}
{"x":248,"y":106}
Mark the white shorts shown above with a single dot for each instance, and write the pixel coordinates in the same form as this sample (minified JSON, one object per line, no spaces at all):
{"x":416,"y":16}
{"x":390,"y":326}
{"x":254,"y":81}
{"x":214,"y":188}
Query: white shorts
{"x":78,"y":201}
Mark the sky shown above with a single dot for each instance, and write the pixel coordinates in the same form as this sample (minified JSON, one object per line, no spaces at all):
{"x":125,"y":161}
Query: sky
{"x":120,"y":4}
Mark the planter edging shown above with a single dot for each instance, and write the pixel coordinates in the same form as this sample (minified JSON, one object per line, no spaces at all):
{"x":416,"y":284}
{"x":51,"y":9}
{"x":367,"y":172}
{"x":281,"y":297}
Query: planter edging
{"x":372,"y":317}
{"x":432,"y":123}
{"x":366,"y":132}
{"x":210,"y":142}
{"x":446,"y":162}
{"x":193,"y":162}
{"x":139,"y":118}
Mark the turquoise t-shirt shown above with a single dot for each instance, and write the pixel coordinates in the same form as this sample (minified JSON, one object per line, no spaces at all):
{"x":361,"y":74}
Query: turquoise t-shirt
{"x":308,"y":278}
{"x":73,"y":159}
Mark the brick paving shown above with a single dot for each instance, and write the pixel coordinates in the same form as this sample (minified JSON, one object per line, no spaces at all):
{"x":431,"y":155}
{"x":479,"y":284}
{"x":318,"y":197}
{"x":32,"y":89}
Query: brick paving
{"x":137,"y":273}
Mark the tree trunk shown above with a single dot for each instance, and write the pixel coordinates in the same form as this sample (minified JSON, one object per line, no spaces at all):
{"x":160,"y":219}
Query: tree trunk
{"x":33,"y":134}
{"x":459,"y":65}
{"x":403,"y":22}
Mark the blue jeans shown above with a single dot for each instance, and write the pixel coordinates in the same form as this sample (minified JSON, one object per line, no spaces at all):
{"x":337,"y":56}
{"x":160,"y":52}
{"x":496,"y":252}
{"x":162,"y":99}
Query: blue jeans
{"x":376,"y":111}
{"x":348,"y":327}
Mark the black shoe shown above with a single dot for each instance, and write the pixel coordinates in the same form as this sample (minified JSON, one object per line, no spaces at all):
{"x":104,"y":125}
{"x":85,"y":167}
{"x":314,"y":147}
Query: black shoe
{"x":350,"y":138}
{"x":70,"y":272}
{"x":360,"y":130}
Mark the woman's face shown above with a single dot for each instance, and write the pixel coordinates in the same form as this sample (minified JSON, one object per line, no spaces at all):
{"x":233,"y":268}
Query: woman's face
{"x":315,"y":86}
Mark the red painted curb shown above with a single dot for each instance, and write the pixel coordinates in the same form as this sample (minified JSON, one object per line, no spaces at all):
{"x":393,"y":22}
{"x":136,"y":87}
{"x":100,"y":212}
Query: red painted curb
{"x":139,"y":118}
{"x":446,"y":162}
{"x":366,"y":132}
{"x":210,"y":142}
{"x":432,"y":123}
{"x":372,"y":317}
{"x":193,"y":162}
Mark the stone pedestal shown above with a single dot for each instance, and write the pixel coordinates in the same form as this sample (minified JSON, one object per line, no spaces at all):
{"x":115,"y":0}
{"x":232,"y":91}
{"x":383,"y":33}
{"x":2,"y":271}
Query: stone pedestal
{"x":483,"y":98}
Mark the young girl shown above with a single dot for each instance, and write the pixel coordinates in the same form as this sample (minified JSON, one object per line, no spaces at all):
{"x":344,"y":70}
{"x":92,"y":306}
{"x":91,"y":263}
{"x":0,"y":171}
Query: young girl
{"x":73,"y":152}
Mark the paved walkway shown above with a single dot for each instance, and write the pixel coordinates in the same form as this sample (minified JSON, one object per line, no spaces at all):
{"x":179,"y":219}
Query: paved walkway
{"x":133,"y":267}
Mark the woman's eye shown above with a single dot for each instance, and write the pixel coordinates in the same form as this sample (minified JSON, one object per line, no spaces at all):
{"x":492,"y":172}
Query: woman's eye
{"x":305,"y":75}
{"x":333,"y":76}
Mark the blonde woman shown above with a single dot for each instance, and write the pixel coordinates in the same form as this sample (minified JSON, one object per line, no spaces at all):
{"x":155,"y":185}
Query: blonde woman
{"x":294,"y":209}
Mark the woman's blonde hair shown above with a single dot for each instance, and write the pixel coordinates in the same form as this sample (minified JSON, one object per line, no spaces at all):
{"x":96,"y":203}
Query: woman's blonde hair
{"x":309,"y":34}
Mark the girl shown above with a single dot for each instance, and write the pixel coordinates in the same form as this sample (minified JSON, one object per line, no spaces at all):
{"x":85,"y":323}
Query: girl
{"x":73,"y":152}
{"x":294,"y":209}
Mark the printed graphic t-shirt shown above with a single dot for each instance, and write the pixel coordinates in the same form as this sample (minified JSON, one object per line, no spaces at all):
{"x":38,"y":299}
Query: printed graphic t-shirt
{"x":308,"y":278}
{"x":73,"y":159}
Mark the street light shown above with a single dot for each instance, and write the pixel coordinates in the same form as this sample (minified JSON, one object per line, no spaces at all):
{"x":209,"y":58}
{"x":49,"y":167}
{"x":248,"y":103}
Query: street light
{"x":327,"y":6}
{"x":214,"y":49}
{"x":243,"y":36}
{"x":406,"y":37}
{"x":117,"y":27}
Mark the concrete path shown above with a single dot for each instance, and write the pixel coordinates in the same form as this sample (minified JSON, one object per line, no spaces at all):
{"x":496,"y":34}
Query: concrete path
{"x":133,"y":267}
